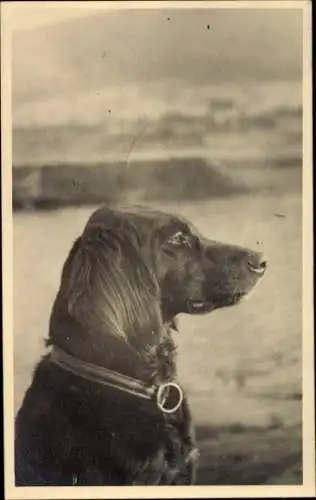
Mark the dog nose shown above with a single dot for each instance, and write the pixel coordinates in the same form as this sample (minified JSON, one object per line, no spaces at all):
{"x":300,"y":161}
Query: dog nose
{"x":257,"y":263}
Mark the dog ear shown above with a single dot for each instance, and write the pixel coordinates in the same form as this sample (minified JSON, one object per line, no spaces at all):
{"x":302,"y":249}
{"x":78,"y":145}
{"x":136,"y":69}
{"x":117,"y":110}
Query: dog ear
{"x":109,"y":288}
{"x":66,"y":267}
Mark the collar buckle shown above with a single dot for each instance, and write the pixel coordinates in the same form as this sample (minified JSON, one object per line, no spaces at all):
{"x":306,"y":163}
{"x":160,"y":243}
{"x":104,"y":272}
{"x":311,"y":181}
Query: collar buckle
{"x":169,"y":397}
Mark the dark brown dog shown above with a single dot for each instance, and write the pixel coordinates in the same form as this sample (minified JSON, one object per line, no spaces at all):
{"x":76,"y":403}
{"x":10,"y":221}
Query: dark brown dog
{"x":97,"y":411}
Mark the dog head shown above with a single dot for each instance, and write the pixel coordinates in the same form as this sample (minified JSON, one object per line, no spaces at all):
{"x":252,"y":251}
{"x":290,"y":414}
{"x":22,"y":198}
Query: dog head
{"x":134,"y":269}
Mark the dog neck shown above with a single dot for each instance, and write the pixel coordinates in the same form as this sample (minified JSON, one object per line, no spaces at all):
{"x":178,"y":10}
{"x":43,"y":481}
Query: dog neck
{"x":152,"y":364}
{"x":167,"y":396}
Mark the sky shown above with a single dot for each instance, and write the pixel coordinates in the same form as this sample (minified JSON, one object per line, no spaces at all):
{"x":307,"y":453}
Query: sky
{"x":26,"y":17}
{"x":61,"y":52}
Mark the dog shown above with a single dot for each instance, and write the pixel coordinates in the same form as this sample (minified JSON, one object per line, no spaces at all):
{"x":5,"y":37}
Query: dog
{"x":105,"y":406}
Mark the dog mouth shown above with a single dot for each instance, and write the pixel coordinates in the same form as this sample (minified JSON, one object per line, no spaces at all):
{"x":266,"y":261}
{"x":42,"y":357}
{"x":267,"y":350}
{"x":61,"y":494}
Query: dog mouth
{"x":207,"y":306}
{"x":258,"y":270}
{"x":199,"y":306}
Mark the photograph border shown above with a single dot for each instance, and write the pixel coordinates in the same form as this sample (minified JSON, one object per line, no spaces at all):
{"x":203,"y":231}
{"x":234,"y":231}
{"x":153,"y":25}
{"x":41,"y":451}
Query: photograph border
{"x":11,"y":11}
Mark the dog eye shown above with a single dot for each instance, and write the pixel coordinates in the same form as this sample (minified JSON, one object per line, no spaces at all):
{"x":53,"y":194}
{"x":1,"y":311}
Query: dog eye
{"x":180,"y":239}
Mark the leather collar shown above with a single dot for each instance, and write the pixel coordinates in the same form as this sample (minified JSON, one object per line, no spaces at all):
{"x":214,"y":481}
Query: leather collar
{"x":159,"y":394}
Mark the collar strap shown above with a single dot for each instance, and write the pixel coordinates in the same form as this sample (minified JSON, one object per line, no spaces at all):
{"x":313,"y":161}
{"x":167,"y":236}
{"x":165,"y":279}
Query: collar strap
{"x":168,"y":396}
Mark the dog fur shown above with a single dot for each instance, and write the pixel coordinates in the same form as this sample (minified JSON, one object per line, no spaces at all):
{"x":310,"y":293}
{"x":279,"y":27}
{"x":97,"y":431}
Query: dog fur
{"x":127,"y":277}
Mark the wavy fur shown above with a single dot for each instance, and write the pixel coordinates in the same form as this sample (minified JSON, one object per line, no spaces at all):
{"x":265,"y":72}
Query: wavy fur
{"x":126,"y":278}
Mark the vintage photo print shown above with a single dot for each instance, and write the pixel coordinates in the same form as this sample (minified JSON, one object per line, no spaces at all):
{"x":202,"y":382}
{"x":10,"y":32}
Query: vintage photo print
{"x":157,"y":249}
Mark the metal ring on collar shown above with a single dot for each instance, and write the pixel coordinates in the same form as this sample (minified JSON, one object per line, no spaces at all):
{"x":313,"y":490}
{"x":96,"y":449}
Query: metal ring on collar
{"x":162,"y":396}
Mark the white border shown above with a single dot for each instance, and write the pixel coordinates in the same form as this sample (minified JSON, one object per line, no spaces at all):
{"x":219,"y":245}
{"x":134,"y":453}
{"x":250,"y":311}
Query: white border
{"x":8,"y":11}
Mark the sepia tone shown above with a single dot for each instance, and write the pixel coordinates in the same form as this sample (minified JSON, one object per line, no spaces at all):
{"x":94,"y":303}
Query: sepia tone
{"x":197,"y":113}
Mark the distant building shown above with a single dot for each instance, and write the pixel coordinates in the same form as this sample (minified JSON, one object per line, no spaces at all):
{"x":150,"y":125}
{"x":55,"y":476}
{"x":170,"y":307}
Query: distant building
{"x":224,"y":112}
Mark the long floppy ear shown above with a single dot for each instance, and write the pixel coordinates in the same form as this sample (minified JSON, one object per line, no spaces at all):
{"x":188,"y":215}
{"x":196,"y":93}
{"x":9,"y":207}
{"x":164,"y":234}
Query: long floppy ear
{"x":108,"y":286}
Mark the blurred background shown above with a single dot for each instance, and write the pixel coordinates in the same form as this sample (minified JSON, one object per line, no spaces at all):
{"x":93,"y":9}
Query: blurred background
{"x":198,"y":112}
